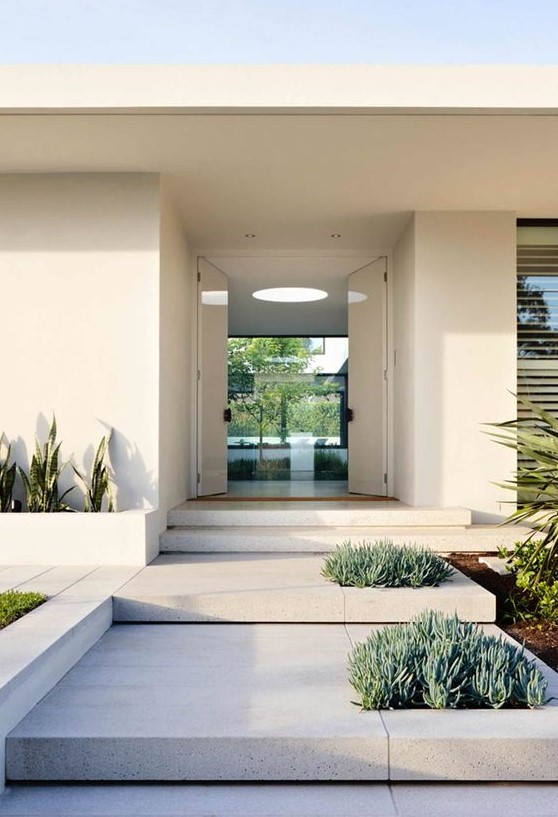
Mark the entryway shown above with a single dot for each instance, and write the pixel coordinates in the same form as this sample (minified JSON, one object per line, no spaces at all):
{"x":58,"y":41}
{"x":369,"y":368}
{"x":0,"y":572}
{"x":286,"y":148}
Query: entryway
{"x":292,"y":378}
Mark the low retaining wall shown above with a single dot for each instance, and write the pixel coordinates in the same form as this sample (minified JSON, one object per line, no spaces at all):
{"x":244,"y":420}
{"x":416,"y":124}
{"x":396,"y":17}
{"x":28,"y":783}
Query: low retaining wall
{"x":126,"y":538}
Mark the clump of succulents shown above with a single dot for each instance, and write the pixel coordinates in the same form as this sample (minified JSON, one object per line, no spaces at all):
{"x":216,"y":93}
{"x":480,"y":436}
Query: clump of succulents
{"x":384,"y":564}
{"x":441,"y":662}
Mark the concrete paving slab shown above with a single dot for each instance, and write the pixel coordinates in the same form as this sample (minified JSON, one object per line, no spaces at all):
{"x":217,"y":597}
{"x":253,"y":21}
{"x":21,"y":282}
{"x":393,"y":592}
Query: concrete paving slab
{"x":239,"y":800}
{"x":56,"y":580}
{"x":284,"y":587}
{"x":251,"y":716}
{"x":231,"y":587}
{"x":460,"y":595}
{"x":282,"y":800}
{"x":473,"y":744}
{"x":496,"y":564}
{"x":12,"y":577}
{"x":480,"y":800}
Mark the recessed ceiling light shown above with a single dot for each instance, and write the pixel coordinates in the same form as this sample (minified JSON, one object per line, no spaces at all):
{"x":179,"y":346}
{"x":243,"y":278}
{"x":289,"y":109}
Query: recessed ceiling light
{"x":289,"y":295}
{"x":249,"y":235}
{"x":356,"y":297}
{"x":335,"y":235}
{"x":215,"y":297}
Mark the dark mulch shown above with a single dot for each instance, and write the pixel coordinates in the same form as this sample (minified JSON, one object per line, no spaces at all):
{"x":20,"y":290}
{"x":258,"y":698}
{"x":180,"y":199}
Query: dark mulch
{"x":539,"y":637}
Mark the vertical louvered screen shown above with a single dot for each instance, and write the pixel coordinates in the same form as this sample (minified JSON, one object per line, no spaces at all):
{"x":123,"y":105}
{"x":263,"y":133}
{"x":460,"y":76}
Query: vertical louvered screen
{"x":537,"y":325}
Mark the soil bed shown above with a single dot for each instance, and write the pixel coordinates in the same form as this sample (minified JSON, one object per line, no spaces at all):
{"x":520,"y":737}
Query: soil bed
{"x":541,"y":638}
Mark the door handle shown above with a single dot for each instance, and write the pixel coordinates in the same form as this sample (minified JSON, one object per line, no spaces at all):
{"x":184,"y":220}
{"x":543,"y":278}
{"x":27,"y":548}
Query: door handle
{"x":227,"y":415}
{"x":350,"y":415}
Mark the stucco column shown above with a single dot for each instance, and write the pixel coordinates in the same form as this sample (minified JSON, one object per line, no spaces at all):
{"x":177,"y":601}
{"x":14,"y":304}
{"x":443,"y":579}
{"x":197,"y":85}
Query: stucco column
{"x":455,"y":359}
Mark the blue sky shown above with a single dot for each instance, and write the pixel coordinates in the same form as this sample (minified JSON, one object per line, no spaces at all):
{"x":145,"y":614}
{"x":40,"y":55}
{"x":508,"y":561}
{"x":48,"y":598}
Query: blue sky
{"x":271,"y":31}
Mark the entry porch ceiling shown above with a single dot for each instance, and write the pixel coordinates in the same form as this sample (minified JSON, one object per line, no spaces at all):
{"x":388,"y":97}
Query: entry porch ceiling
{"x":355,"y":163}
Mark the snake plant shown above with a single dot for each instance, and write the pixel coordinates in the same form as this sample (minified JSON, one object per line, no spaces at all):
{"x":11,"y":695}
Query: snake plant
{"x":100,"y":484}
{"x":41,"y":484}
{"x":7,"y":475}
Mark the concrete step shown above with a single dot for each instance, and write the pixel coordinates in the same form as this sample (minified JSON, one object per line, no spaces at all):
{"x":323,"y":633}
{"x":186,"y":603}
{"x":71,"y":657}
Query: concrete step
{"x":322,"y":539}
{"x":310,"y":514}
{"x":265,"y":702}
{"x":286,"y":587}
{"x":283,"y":800}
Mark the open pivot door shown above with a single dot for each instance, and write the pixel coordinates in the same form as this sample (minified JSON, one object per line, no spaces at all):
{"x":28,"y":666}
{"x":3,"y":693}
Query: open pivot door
{"x":367,"y":387}
{"x":213,"y":327}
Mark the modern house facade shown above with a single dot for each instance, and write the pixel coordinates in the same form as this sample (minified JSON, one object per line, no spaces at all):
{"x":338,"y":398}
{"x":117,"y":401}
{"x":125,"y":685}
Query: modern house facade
{"x":122,"y":187}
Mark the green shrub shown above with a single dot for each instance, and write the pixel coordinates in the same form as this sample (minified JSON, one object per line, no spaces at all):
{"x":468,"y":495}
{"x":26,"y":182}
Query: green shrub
{"x":329,"y":465}
{"x":383,"y":564}
{"x":248,"y":468}
{"x":536,"y":598}
{"x":440,"y":662}
{"x":7,"y":475}
{"x":535,"y":440}
{"x":15,"y":603}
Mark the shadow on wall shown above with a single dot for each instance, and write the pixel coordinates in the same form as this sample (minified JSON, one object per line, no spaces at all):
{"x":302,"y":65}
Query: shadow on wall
{"x":134,"y":486}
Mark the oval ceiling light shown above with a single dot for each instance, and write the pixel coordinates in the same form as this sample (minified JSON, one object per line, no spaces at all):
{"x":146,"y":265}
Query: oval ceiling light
{"x":215,"y":297}
{"x":355,"y":297}
{"x":289,"y":295}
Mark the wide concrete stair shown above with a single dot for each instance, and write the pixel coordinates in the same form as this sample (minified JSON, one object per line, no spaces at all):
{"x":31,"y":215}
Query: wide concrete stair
{"x":258,"y":702}
{"x":280,"y":587}
{"x":226,"y":672}
{"x":235,"y":527}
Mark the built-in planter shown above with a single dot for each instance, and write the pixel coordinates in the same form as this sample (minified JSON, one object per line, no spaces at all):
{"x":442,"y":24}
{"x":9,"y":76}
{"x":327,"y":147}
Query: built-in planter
{"x":126,"y":538}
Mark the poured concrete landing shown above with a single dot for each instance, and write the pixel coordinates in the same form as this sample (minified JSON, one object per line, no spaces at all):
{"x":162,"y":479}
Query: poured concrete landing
{"x":286,"y":800}
{"x":280,"y":588}
{"x":257,"y":703}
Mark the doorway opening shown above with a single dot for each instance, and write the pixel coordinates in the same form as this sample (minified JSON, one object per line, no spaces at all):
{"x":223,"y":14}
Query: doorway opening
{"x":283,"y":410}
{"x":288,"y":416}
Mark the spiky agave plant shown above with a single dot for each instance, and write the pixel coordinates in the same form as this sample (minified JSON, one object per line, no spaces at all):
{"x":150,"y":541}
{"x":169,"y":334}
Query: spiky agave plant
{"x":100,"y":485}
{"x":535,"y":439}
{"x":7,"y":475}
{"x":41,"y":485}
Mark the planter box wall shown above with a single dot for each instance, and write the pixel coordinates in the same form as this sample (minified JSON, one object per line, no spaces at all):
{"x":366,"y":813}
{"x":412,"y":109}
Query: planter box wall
{"x":126,"y":538}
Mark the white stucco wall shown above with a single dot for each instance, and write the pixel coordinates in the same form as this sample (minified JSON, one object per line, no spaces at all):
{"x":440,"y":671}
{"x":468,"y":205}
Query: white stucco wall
{"x":79,"y":266}
{"x":177,"y":305}
{"x":464,"y":359}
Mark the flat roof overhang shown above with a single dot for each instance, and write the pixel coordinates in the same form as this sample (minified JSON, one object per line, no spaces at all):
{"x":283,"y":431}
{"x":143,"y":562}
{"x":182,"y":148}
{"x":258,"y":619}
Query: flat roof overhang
{"x":291,"y":153}
{"x":281,"y":89}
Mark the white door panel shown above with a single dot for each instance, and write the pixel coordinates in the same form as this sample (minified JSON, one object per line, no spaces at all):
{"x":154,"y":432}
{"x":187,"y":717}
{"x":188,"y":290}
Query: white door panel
{"x":367,"y":392}
{"x":212,"y":382}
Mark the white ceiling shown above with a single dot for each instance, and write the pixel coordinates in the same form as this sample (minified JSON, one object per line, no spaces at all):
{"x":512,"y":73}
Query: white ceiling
{"x":295,"y":179}
{"x":248,"y":316}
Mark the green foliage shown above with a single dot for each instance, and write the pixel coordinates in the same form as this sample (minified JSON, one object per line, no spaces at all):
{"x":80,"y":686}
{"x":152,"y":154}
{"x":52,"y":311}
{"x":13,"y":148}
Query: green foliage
{"x":41,"y":486}
{"x":268,"y":377}
{"x":246,"y":468}
{"x":7,"y":475}
{"x":329,"y":465}
{"x":440,"y":662}
{"x":100,"y":484}
{"x":383,"y":564}
{"x":536,"y":598}
{"x":15,"y":603}
{"x":535,"y":439}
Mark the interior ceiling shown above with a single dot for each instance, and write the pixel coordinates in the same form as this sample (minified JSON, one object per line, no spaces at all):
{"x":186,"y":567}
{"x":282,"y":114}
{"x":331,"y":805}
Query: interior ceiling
{"x":293,"y":180}
{"x":248,"y":316}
